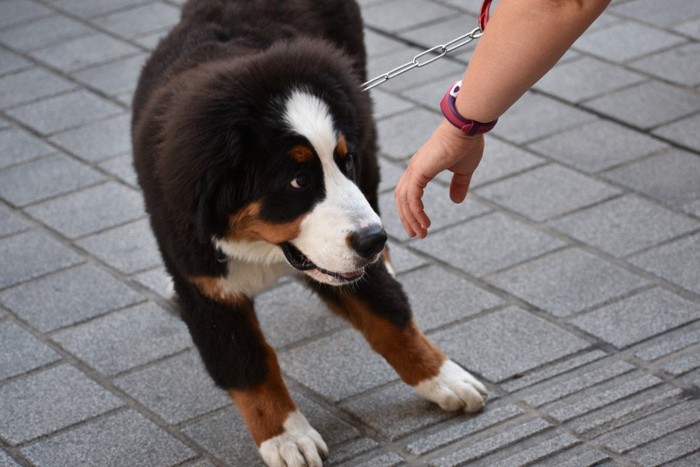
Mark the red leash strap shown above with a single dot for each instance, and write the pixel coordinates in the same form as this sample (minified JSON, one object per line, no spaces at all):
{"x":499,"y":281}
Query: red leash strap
{"x":484,"y":15}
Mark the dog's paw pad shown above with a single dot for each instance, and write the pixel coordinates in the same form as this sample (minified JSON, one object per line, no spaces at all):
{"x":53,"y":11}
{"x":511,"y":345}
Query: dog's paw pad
{"x":298,"y":446}
{"x":454,"y":388}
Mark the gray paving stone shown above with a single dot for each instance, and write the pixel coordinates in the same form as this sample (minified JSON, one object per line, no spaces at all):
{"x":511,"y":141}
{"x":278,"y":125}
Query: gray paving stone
{"x":90,"y":210}
{"x":98,"y":141}
{"x":668,"y":448}
{"x":38,"y":33}
{"x":439,"y":207}
{"x":684,"y":131}
{"x":19,"y":11}
{"x":84,"y":52}
{"x":125,"y":339}
{"x":404,"y":260}
{"x":537,"y":116}
{"x":130,"y":248}
{"x":68,"y":297}
{"x":47,"y":401}
{"x":390,"y":174}
{"x":576,"y":457}
{"x":683,"y":363}
{"x":122,"y":167}
{"x":140,"y":20}
{"x":693,"y":207}
{"x":680,"y":65}
{"x":32,"y":254}
{"x":637,"y":318}
{"x":631,"y":105}
{"x":35,"y":181}
{"x":65,"y":111}
{"x":671,"y":177}
{"x":6,"y":460}
{"x":625,"y":225}
{"x":113,"y":78}
{"x":550,"y":371}
{"x":597,"y":397}
{"x":626,"y":410}
{"x":10,"y":222}
{"x":379,"y":44}
{"x":532,"y":450}
{"x":378,"y":459}
{"x":585,"y":78}
{"x":673,"y":12}
{"x":463,"y":426}
{"x":225,"y":435}
{"x":506,"y":343}
{"x":20,"y":146}
{"x":395,"y":411}
{"x":547,"y":192}
{"x":398,"y":15}
{"x":158,"y":281}
{"x":350,"y":450}
{"x":443,"y":32}
{"x":10,"y":62}
{"x":597,"y":146}
{"x":386,"y":104}
{"x":132,"y":440}
{"x":20,"y":351}
{"x":668,"y":343}
{"x":626,"y":41}
{"x":493,"y":443}
{"x":337,"y":366}
{"x":569,"y":383}
{"x":567,"y":282}
{"x":438,"y":297}
{"x":333,"y":430}
{"x":691,"y":28}
{"x":495,"y":242}
{"x":93,"y":8}
{"x":675,"y":262}
{"x":30,"y":85}
{"x":177,"y":389}
{"x":502,"y":159}
{"x":398,"y":143}
{"x":292,"y":313}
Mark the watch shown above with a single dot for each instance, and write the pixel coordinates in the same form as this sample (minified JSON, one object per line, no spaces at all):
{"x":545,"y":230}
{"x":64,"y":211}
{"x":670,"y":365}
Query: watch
{"x":449,"y":109}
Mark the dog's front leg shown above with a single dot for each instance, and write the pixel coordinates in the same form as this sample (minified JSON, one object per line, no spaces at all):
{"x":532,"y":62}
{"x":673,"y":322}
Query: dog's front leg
{"x":377,"y":307}
{"x":236,"y":355}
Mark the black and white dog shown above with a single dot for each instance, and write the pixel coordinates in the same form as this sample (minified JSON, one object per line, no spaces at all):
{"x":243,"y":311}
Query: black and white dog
{"x":255,"y":149}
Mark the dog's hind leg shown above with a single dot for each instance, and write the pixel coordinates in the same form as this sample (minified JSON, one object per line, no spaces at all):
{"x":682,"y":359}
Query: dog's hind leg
{"x":378,"y":308}
{"x":236,"y":355}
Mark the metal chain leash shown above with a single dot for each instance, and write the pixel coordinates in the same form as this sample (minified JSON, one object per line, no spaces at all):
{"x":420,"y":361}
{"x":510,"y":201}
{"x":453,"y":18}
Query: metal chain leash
{"x":439,"y":51}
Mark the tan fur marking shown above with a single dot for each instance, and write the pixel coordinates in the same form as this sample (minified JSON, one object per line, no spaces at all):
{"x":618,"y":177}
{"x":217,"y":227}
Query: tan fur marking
{"x":408,"y":350}
{"x":301,"y":153}
{"x":247,"y":225}
{"x":342,"y":146}
{"x":213,"y":288}
{"x":266,"y":406}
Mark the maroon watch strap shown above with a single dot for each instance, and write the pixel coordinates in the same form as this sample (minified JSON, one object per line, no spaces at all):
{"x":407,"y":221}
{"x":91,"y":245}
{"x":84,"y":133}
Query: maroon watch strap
{"x":449,"y":110}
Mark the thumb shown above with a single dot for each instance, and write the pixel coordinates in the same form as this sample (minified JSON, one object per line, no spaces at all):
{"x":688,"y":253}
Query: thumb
{"x":459,"y":187}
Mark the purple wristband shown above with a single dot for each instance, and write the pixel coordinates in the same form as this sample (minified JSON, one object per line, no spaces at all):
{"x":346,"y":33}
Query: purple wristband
{"x":449,"y":110}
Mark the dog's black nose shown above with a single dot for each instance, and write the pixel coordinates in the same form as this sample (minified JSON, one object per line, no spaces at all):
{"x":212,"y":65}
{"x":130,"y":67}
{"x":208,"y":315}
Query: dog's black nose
{"x":368,"y":241}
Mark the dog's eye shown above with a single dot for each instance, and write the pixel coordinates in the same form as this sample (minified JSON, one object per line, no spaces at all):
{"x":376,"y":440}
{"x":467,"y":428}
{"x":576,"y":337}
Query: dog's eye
{"x":300,"y":181}
{"x":350,"y":165}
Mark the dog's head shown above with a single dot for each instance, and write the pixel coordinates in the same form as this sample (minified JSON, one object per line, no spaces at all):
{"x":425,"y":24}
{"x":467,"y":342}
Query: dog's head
{"x":262,"y":153}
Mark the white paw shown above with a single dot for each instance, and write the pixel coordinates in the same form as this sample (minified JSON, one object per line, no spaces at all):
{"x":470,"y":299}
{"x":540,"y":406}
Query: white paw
{"x":299,"y":446}
{"x":454,"y":389}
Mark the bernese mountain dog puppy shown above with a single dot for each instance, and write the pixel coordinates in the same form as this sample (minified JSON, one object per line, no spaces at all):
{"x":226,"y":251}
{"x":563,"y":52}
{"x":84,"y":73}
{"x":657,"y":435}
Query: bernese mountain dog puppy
{"x":256,"y":152}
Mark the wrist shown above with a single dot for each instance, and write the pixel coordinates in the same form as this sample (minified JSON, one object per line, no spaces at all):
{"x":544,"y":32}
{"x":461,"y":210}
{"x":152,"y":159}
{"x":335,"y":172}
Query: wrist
{"x":467,"y":126}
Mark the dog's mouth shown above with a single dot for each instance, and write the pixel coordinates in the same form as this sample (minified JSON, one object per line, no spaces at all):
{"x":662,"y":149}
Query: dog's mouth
{"x":301,"y":262}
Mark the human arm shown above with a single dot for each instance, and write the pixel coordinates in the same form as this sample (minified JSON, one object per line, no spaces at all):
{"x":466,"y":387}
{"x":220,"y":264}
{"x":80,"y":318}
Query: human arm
{"x":523,"y":40}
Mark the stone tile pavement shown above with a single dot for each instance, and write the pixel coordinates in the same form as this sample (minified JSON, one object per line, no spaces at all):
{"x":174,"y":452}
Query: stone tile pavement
{"x":569,"y":281}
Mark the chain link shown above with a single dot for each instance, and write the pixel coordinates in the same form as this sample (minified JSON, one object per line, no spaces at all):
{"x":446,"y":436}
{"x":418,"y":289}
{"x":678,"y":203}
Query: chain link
{"x":438,"y":52}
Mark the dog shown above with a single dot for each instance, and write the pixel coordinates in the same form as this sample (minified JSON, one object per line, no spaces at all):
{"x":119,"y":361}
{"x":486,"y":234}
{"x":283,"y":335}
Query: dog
{"x":255,"y":149}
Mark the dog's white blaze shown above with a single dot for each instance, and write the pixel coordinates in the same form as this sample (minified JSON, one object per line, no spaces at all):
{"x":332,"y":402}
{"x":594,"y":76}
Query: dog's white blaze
{"x":323,"y":236}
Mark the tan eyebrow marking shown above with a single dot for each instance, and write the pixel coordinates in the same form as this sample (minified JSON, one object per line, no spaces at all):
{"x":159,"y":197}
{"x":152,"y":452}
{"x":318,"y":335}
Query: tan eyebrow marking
{"x":301,"y":153}
{"x":342,"y":146}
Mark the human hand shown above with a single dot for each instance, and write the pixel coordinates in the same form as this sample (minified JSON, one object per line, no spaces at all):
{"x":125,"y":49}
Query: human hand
{"x":447,"y":149}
